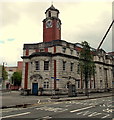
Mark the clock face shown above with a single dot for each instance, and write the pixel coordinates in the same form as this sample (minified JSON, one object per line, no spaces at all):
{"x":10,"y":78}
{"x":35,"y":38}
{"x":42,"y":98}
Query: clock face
{"x":48,"y":24}
{"x":58,"y":24}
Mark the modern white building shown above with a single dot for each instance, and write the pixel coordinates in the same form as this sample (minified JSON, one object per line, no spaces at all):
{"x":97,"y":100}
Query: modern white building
{"x":54,"y":63}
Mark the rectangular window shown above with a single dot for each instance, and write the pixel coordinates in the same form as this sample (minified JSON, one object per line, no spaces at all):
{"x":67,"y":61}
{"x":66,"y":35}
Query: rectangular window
{"x":41,"y":50}
{"x":78,"y":84}
{"x":78,"y":69}
{"x":64,"y":49}
{"x":71,"y":67}
{"x":64,"y":65}
{"x":46,"y":65}
{"x":100,"y":70}
{"x":71,"y":52}
{"x":37,"y":65}
{"x":46,"y":84}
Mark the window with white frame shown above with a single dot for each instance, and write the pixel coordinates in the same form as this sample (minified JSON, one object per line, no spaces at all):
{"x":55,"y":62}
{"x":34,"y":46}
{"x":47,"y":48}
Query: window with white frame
{"x":37,"y":65}
{"x":46,"y":84}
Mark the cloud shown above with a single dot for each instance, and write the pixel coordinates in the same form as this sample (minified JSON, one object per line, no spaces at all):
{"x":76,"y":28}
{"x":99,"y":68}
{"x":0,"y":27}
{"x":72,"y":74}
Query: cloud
{"x":2,"y":42}
{"x":10,"y":39}
{"x":22,"y":23}
{"x":89,"y":21}
{"x":10,"y":14}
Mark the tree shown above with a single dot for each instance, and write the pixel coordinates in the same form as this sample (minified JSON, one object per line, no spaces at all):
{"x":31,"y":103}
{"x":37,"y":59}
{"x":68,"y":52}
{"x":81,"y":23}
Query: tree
{"x":87,"y":66}
{"x":4,"y":73}
{"x":16,"y":78}
{"x":4,"y":76}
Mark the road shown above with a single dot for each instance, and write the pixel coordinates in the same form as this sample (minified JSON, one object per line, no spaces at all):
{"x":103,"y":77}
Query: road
{"x":90,"y":108}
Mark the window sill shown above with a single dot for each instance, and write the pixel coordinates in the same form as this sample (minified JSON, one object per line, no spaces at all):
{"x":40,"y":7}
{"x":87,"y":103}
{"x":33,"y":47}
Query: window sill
{"x":46,"y":70}
{"x":37,"y":71}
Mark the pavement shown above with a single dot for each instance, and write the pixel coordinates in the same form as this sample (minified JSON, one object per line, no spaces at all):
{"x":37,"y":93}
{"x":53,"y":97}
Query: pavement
{"x":12,"y":99}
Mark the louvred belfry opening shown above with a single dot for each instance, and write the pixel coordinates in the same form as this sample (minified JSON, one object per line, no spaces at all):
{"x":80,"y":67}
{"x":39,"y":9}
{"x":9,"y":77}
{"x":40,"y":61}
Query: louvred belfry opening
{"x":51,"y":25}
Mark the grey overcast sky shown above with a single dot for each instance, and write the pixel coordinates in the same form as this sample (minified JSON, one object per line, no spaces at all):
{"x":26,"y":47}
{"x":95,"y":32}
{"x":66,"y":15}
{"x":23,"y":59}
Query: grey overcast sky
{"x":82,"y":20}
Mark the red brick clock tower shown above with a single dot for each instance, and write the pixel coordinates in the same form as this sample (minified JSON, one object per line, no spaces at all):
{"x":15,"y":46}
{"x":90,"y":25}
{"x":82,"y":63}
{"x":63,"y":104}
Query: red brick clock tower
{"x":51,"y":25}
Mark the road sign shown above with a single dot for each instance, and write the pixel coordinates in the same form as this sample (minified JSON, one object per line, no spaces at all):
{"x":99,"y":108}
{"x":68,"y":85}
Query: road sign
{"x":55,"y":78}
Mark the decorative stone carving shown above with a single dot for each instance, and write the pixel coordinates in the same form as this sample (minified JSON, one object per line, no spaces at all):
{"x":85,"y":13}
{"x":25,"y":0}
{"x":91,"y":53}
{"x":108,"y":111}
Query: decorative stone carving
{"x":36,"y":76}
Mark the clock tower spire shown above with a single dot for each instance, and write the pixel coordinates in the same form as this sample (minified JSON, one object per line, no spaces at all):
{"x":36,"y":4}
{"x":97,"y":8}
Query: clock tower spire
{"x":51,"y":25}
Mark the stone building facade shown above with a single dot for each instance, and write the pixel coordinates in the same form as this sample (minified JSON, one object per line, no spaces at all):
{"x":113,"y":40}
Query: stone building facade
{"x":54,"y":63}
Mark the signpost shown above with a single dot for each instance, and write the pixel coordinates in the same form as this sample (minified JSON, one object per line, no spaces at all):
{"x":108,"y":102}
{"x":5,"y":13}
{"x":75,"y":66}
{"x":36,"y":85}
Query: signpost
{"x":53,"y":91}
{"x":54,"y":78}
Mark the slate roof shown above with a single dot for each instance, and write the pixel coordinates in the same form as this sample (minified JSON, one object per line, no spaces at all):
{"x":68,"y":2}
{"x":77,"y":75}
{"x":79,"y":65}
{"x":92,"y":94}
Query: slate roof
{"x":52,"y":8}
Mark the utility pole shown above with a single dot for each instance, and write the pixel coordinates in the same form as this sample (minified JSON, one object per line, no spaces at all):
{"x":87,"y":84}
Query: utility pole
{"x":100,"y":46}
{"x":105,"y":35}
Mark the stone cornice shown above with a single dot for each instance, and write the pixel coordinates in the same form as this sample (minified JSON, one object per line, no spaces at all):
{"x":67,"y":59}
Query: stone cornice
{"x":39,"y":54}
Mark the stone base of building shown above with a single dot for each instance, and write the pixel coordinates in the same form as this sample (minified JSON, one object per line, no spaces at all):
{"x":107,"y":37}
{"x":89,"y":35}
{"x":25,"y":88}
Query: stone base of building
{"x":51,"y":92}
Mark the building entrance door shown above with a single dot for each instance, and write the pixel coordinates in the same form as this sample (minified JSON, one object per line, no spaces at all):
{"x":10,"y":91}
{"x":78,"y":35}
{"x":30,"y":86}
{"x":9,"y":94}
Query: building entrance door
{"x":72,"y":91}
{"x":35,"y":88}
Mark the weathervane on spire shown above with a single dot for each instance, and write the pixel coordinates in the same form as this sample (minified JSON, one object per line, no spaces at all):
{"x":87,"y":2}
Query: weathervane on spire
{"x":51,"y":2}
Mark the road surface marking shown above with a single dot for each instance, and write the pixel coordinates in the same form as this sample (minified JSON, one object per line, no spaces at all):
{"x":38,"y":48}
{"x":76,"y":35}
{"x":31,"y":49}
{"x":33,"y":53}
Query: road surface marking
{"x":79,"y":113}
{"x":106,"y":116}
{"x":104,"y":105}
{"x":85,"y":103}
{"x":94,"y":114}
{"x":47,"y":117}
{"x":52,"y":109}
{"x":67,"y":105}
{"x":107,"y":110}
{"x":109,"y":105}
{"x":85,"y":113}
{"x":49,"y":100}
{"x":38,"y":101}
{"x":16,"y":115}
{"x":81,"y":109}
{"x":12,"y":109}
{"x":56,"y":103}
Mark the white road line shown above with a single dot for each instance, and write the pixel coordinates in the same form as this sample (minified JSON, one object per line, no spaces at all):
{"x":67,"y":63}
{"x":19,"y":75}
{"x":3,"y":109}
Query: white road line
{"x":49,"y":100}
{"x":12,"y":109}
{"x":106,"y":116}
{"x":16,"y":115}
{"x":104,"y":105}
{"x":81,"y":109}
{"x":94,"y":114}
{"x":67,"y":105}
{"x":85,"y":103}
{"x":85,"y":113}
{"x":38,"y":101}
{"x":79,"y":113}
{"x":109,"y":105}
{"x":47,"y":117}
